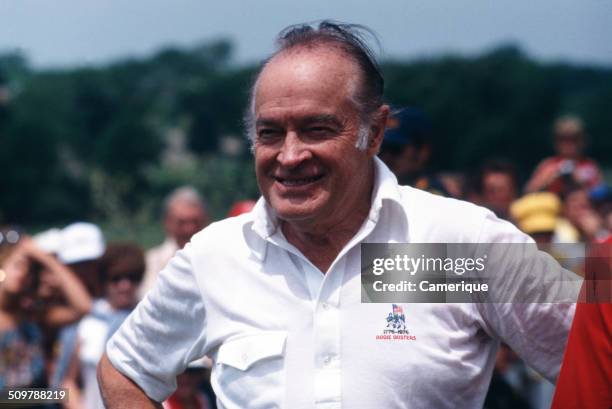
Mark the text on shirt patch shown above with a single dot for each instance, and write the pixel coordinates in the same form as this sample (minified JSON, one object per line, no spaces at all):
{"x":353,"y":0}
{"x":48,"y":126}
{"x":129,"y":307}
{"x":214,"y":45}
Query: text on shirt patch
{"x":396,"y":326}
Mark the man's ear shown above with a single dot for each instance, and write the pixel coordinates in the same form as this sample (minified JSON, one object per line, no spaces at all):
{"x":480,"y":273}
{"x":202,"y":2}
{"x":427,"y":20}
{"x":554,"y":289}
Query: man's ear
{"x":377,"y":129}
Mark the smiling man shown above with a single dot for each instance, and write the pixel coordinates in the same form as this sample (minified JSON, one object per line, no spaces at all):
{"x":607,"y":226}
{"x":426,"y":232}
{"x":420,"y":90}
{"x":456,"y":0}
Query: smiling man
{"x":274,"y":296}
{"x":314,"y":147}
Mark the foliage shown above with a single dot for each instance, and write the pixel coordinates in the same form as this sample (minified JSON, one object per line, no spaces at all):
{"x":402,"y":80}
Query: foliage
{"x":222,"y":180}
{"x":90,"y":143}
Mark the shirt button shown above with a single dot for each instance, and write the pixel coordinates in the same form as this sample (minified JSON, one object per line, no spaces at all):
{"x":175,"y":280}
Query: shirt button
{"x":245,"y":356}
{"x":325,"y":306}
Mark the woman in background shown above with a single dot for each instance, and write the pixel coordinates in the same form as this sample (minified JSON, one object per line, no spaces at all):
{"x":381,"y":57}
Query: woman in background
{"x":23,"y":312}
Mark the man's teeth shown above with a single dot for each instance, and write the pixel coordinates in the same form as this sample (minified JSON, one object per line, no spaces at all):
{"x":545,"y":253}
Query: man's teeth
{"x":295,"y":182}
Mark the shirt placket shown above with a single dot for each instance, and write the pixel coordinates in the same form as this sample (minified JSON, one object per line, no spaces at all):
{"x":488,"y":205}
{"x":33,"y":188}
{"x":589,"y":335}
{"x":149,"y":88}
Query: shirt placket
{"x":325,"y":293}
{"x":325,"y":296}
{"x":326,"y":334}
{"x":326,"y":331}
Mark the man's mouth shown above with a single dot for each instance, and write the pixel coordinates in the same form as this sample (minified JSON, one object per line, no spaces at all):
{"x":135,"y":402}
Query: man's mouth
{"x":291,"y":182}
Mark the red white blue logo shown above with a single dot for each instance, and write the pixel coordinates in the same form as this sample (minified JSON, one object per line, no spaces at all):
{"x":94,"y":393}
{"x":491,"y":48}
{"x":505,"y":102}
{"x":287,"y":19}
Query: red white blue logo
{"x":396,"y":320}
{"x":396,"y":326}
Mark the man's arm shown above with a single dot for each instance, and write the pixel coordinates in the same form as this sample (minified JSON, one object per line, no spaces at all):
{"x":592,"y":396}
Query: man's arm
{"x":538,"y":297}
{"x":165,"y":332}
{"x":118,"y":391}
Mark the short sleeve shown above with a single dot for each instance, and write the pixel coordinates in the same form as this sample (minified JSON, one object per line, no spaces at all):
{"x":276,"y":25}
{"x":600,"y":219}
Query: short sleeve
{"x":164,"y":333}
{"x":536,"y":325}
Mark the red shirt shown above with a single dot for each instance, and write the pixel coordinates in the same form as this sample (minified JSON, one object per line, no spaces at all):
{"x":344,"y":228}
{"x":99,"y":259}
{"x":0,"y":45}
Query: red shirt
{"x":585,"y":172}
{"x":585,"y":380}
{"x":199,"y":401}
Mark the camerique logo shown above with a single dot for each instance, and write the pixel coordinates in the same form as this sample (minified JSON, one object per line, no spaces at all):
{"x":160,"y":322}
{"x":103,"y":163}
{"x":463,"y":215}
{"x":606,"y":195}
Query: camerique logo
{"x":396,"y":326}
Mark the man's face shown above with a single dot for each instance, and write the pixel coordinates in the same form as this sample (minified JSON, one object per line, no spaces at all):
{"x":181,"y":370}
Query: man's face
{"x":183,"y":220}
{"x":308,"y":167}
{"x":577,"y":205}
{"x":569,"y":145}
{"x":498,"y":190}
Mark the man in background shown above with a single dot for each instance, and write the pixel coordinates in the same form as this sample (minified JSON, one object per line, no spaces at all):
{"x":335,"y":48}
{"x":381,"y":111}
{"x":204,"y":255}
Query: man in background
{"x":569,"y":166}
{"x":406,"y":150}
{"x":184,"y":215}
{"x":498,"y":186}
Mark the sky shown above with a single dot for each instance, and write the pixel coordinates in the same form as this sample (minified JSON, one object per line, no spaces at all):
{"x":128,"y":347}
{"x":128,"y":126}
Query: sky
{"x":63,"y":33}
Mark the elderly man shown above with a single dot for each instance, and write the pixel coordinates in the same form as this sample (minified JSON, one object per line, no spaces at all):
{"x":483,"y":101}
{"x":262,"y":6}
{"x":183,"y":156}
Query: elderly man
{"x":274,"y":296}
{"x":184,"y":215}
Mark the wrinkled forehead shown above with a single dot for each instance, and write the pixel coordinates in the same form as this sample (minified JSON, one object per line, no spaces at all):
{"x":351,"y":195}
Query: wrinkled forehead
{"x":323,"y":71}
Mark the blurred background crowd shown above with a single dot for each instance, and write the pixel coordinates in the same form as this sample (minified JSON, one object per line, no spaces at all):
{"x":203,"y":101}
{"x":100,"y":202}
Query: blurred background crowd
{"x":93,"y":158}
{"x":64,"y":291}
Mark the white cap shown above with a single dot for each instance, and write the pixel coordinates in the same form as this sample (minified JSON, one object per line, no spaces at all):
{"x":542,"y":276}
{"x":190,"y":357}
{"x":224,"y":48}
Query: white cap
{"x":49,"y":240}
{"x":81,"y":242}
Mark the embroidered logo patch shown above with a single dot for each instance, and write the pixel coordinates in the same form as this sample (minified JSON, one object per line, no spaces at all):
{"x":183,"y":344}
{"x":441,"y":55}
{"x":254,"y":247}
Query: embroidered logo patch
{"x":395,"y":328}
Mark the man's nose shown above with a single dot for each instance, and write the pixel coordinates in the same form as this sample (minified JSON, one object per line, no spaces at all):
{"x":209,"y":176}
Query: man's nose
{"x":293,"y":151}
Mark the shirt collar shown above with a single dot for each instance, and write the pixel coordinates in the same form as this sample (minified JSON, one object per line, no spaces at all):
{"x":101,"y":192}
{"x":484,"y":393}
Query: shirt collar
{"x":385,"y":188}
{"x":264,"y":221}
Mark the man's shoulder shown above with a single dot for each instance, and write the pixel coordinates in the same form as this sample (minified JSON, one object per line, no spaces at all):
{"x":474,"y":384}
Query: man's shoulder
{"x":223,"y":232}
{"x":433,"y":217}
{"x":424,"y":202}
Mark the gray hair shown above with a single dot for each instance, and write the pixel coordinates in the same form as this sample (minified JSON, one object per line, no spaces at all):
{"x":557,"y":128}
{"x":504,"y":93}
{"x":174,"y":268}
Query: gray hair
{"x":184,"y":194}
{"x":350,"y":39}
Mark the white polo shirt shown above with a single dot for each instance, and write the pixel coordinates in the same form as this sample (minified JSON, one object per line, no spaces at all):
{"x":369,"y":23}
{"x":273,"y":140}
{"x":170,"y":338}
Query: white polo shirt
{"x":283,"y":334}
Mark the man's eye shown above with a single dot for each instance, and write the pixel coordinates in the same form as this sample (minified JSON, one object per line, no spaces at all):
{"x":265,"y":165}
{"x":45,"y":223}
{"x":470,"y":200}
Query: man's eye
{"x":319,"y":131}
{"x":268,"y":133}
